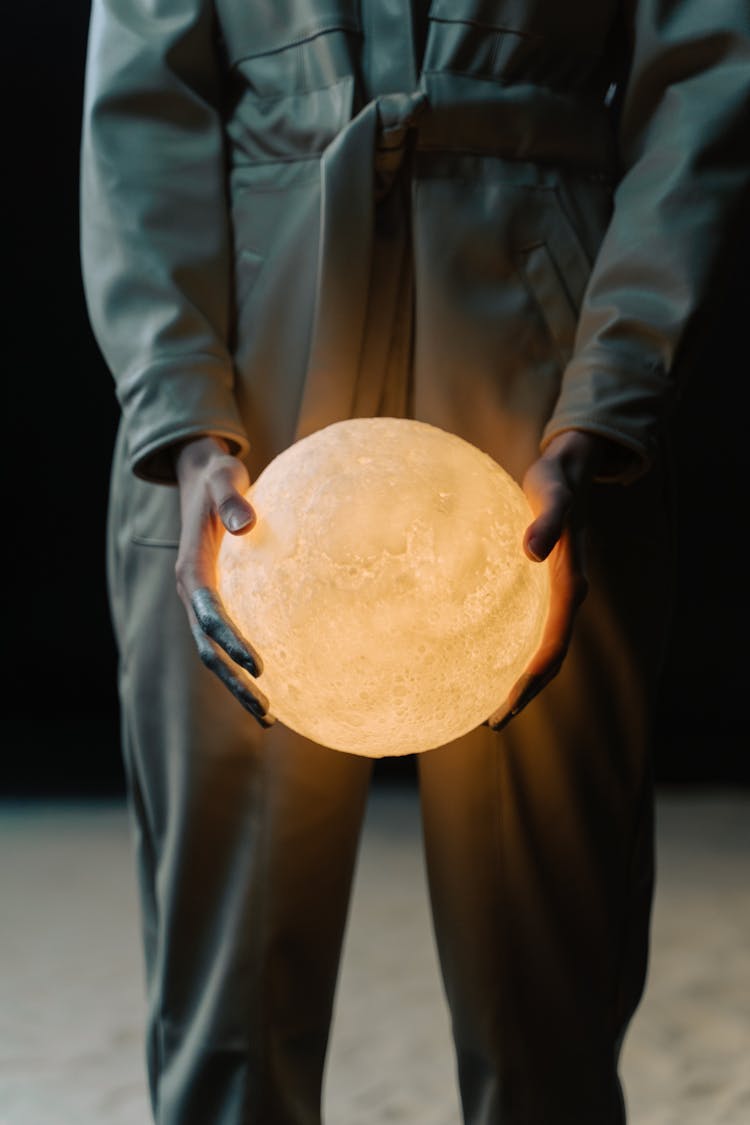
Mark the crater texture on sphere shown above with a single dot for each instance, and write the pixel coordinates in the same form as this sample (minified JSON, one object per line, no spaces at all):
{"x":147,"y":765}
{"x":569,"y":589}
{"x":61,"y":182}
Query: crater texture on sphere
{"x":385,"y":586}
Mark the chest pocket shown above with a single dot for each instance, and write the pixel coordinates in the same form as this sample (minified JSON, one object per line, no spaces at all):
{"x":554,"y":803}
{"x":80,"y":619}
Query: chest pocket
{"x":294,"y":67}
{"x":533,"y":41}
{"x":261,"y":27}
{"x":278,"y":48}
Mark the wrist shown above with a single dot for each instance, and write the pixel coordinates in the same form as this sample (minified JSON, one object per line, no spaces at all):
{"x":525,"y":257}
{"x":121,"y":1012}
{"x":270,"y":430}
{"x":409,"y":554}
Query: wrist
{"x":587,"y":453}
{"x":195,"y":452}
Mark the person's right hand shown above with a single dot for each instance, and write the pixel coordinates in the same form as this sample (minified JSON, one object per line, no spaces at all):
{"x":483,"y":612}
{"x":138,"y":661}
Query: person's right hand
{"x":212,"y":484}
{"x":557,"y":485}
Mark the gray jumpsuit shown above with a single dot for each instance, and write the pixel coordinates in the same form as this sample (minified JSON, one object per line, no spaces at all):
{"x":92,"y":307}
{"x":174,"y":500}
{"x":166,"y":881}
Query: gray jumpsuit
{"x":497,"y":216}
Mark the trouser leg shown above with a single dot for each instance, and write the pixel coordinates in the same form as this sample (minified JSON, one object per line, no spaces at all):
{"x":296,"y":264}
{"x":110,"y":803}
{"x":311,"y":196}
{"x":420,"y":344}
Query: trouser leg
{"x":246,"y":842}
{"x":540,"y":863}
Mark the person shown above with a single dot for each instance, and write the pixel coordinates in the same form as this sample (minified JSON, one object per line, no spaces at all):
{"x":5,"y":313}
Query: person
{"x":499,"y":218}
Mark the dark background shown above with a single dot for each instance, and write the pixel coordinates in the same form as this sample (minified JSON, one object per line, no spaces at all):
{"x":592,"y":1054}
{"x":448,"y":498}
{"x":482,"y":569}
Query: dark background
{"x":59,"y":723}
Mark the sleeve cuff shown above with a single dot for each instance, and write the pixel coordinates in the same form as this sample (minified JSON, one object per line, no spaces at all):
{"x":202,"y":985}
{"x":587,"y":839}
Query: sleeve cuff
{"x":175,"y":399}
{"x":622,"y":400}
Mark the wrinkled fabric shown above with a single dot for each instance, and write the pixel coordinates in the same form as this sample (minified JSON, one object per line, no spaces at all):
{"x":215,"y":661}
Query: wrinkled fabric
{"x":581,"y":163}
{"x":498,"y":216}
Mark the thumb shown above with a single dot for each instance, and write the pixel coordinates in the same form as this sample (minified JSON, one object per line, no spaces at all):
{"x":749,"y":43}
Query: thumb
{"x":228,"y":485}
{"x":550,"y":501}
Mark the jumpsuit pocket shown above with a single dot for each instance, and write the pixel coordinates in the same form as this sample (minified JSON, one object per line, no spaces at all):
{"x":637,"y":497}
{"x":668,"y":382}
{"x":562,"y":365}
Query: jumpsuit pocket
{"x":138,"y":512}
{"x":254,"y":31}
{"x":553,"y":263}
{"x":288,"y":66}
{"x":247,"y":266}
{"x":153,"y":511}
{"x":297,"y":80}
{"x":549,"y":292}
{"x":545,"y":43}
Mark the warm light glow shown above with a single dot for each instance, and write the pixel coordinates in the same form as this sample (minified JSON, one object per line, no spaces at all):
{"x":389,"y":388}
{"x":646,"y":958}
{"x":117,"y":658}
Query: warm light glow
{"x":385,"y":586}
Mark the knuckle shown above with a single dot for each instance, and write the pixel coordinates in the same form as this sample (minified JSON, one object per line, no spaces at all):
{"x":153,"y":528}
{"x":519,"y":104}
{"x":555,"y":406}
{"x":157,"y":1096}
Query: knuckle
{"x":203,"y":608}
{"x":201,"y":615}
{"x":209,"y":658}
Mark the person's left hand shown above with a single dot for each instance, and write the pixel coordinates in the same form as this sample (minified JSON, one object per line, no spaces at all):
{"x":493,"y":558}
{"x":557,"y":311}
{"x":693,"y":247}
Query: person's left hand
{"x":557,"y":487}
{"x":212,"y":486}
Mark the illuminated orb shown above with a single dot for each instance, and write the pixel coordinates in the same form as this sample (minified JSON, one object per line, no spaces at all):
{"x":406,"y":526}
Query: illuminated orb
{"x":385,"y":586}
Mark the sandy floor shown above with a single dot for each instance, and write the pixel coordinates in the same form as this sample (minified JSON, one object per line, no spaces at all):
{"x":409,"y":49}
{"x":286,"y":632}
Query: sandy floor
{"x":71,"y":1005}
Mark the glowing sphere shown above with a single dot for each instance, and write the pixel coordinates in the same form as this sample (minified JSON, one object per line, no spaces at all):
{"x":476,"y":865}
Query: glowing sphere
{"x":385,"y":586}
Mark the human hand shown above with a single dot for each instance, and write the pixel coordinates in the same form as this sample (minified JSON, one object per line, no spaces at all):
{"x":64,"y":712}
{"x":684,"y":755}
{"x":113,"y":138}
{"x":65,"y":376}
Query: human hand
{"x":557,"y":487}
{"x":212,"y":484}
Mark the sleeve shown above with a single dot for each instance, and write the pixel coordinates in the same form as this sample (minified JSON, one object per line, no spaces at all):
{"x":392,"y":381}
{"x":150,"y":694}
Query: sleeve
{"x":684,"y":145}
{"x":155,"y":244}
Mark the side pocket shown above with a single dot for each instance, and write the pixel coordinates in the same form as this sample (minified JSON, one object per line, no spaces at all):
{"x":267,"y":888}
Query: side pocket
{"x":248,"y":265}
{"x":549,"y":292}
{"x":155,"y":519}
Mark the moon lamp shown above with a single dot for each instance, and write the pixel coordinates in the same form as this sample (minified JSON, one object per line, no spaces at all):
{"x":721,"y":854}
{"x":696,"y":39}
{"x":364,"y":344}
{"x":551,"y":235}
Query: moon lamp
{"x":385,"y":586}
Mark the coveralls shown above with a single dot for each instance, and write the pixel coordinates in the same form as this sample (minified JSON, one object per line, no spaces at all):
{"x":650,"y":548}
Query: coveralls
{"x":497,"y":216}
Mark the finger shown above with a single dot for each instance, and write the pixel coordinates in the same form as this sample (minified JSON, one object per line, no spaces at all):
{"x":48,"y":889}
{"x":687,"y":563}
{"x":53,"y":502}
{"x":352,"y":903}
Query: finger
{"x":236,"y":514}
{"x":253,"y":700}
{"x":213,"y":620}
{"x":526,"y":689}
{"x":543,"y":668}
{"x":569,"y":588}
{"x":551,"y":502}
{"x":227,"y":486}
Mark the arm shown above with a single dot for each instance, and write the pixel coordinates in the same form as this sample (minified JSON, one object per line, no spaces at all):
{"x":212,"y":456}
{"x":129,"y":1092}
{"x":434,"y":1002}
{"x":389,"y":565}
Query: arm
{"x":155,"y":245}
{"x":684,"y":141}
{"x":156,"y":265}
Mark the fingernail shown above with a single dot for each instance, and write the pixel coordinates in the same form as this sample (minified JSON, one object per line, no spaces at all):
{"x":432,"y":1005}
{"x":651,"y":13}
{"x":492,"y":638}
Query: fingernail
{"x":520,"y":687}
{"x":528,"y":687}
{"x":236,"y":522}
{"x":251,"y":662}
{"x":262,"y":717}
{"x":235,"y":515}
